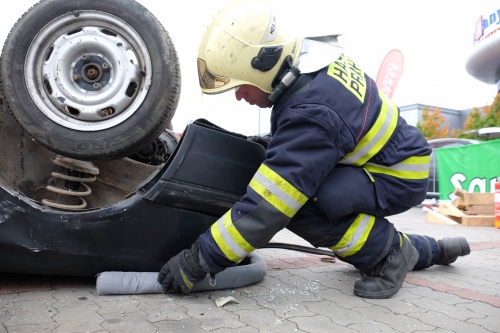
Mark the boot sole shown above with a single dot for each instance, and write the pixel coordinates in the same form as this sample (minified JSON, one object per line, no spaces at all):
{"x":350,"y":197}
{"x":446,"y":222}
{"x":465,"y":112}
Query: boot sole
{"x":412,"y":261}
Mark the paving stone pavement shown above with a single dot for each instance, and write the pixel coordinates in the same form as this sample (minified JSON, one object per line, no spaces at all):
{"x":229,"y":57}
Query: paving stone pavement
{"x":300,"y":293}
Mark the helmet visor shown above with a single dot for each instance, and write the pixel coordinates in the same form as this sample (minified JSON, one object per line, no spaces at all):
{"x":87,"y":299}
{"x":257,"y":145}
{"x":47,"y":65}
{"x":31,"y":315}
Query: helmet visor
{"x":209,"y":80}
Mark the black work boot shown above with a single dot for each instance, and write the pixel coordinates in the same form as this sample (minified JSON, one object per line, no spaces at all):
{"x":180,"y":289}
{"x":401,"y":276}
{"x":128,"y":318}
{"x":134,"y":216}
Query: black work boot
{"x":386,"y":278}
{"x":452,"y":248}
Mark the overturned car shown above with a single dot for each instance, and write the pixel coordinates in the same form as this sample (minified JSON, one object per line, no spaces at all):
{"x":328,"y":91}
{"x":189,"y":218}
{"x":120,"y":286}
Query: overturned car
{"x":92,"y":178}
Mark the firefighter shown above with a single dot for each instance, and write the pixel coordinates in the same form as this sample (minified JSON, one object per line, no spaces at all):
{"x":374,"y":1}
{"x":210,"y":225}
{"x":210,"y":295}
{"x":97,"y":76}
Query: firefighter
{"x":338,"y":161}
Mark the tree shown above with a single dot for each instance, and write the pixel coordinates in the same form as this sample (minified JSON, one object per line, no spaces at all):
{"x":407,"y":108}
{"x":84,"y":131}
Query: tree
{"x":473,"y":122}
{"x":431,"y":126}
{"x":490,"y":117}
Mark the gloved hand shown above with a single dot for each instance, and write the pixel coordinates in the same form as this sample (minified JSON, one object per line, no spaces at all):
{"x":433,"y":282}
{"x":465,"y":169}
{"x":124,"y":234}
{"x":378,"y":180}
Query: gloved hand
{"x":261,"y":140}
{"x":182,"y":272}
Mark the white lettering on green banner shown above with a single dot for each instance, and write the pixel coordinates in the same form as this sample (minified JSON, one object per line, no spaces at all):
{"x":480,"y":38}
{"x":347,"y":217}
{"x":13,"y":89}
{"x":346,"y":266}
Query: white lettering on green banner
{"x":473,"y":168}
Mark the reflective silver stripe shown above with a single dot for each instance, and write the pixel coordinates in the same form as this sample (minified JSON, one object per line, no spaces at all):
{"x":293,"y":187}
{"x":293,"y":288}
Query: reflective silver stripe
{"x":359,"y":235}
{"x":278,"y":191}
{"x":415,"y":167}
{"x":228,"y":240}
{"x":403,"y":167}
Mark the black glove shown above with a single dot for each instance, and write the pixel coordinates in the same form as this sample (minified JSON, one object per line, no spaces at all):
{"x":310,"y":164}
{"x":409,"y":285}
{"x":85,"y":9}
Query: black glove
{"x":182,"y":272}
{"x":261,"y":140}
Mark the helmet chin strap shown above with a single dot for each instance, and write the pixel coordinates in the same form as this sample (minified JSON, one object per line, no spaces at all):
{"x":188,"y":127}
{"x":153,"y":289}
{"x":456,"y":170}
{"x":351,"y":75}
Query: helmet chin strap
{"x":316,"y":53}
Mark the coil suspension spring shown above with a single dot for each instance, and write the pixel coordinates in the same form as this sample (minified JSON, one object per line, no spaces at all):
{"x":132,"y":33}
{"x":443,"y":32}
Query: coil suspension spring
{"x":72,"y":186}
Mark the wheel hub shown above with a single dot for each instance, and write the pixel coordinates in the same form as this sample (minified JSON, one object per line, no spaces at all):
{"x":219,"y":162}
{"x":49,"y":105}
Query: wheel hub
{"x":91,"y":72}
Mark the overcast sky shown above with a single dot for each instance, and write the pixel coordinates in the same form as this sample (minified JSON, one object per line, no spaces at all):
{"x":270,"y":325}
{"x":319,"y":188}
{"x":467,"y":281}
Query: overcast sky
{"x":434,"y":36}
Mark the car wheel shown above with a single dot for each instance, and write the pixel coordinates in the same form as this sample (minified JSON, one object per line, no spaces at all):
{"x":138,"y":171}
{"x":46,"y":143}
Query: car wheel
{"x":91,"y":79}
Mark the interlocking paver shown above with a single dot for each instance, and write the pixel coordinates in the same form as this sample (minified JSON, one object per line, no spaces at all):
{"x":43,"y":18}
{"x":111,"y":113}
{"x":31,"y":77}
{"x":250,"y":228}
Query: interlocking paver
{"x":128,"y":322}
{"x":265,"y":320}
{"x":374,"y":326}
{"x":283,"y":307}
{"x":443,"y":321}
{"x":442,"y":297}
{"x":30,"y":313}
{"x":243,"y":329}
{"x":73,"y":298}
{"x":320,"y":324}
{"x":452,"y":311}
{"x":300,"y":293}
{"x":340,"y":299}
{"x":40,"y":328}
{"x":437,"y":330}
{"x":490,"y":323}
{"x":31,"y":296}
{"x":340,"y":316}
{"x":190,"y":325}
{"x":481,"y":308}
{"x":78,"y":319}
{"x":396,"y":320}
{"x":212,"y":317}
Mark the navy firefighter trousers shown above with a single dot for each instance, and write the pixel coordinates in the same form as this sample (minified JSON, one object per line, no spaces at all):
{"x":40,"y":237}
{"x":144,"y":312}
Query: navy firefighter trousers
{"x":349,"y":196}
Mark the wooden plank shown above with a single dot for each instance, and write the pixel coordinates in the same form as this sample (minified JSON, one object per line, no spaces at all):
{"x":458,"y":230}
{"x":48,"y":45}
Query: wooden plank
{"x":446,"y":208}
{"x":460,"y":192}
{"x":479,"y":209}
{"x":479,"y":220}
{"x":436,"y":217}
{"x":475,"y":198}
{"x":459,"y":203}
{"x":457,"y":219}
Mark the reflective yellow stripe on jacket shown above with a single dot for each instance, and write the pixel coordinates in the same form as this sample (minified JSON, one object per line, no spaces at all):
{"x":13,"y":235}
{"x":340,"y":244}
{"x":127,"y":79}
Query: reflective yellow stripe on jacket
{"x":415,"y":167}
{"x":355,"y":237}
{"x":282,"y":195}
{"x":377,"y":136}
{"x":277,"y":191}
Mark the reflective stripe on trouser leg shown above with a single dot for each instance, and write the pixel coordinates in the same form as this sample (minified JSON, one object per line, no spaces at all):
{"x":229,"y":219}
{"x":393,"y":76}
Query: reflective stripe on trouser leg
{"x":361,"y":240}
{"x":355,"y":237}
{"x":428,"y":250}
{"x":366,"y":242}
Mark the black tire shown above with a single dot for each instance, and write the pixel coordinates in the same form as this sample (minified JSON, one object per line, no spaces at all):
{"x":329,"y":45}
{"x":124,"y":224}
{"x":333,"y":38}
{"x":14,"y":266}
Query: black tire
{"x":6,"y":118}
{"x":91,"y":79}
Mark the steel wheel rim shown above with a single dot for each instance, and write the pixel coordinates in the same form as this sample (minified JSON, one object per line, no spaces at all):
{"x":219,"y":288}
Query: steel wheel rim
{"x":88,"y":70}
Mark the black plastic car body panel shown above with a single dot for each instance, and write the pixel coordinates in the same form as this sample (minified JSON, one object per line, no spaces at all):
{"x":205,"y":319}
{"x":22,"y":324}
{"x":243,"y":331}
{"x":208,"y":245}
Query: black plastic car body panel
{"x":134,"y":235}
{"x":207,"y":173}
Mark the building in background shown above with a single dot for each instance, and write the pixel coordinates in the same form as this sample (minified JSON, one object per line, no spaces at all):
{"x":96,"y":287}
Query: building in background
{"x":456,"y":118}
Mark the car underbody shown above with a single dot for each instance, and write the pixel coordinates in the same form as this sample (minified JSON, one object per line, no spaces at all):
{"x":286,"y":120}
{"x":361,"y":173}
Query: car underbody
{"x":137,"y":215}
{"x":92,"y":177}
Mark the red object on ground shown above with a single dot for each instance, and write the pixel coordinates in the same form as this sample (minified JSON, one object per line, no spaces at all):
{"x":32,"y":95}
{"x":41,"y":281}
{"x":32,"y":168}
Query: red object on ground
{"x":497,"y":203}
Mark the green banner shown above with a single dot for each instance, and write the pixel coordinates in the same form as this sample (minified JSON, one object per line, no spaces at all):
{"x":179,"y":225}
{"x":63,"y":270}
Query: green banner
{"x":474,"y":168}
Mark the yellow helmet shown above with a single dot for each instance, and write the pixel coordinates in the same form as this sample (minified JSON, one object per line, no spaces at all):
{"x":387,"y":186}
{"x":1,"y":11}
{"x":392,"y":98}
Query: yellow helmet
{"x":244,"y":44}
